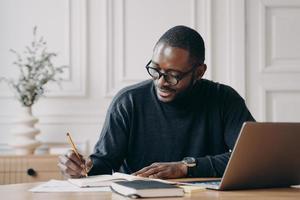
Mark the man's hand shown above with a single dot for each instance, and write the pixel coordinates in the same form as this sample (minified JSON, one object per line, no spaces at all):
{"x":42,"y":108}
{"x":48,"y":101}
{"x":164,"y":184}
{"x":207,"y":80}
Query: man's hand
{"x":163,"y":170}
{"x":71,"y":167}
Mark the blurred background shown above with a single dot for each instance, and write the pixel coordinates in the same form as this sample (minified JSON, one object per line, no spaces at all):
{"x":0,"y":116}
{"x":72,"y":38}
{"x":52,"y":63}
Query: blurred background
{"x":251,"y":45}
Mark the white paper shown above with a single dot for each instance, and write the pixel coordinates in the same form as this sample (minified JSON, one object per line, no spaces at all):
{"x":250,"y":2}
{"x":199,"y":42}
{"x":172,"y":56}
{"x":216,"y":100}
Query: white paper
{"x":94,"y":181}
{"x":65,"y":186}
{"x":107,"y":180}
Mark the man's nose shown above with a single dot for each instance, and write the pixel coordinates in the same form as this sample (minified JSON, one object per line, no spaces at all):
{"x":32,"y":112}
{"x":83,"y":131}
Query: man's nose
{"x":162,"y":81}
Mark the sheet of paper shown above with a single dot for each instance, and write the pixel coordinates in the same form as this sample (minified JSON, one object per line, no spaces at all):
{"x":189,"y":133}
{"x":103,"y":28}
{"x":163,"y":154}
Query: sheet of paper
{"x":65,"y":186}
{"x":295,"y":186}
{"x":192,"y":188}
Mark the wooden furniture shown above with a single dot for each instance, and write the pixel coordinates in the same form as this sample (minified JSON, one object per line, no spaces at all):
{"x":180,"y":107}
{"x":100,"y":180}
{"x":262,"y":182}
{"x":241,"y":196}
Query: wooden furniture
{"x":21,"y":169}
{"x":20,"y":191}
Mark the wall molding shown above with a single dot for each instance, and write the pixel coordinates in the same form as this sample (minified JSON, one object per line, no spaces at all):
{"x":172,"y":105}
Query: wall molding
{"x":78,"y":52}
{"x":264,"y":92}
{"x":202,"y":22}
{"x":74,"y":83}
{"x":236,"y":43}
{"x":273,"y":97}
{"x":116,"y":43}
{"x":266,"y":66}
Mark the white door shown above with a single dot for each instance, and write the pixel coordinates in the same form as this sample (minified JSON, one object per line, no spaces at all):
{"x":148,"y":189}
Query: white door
{"x":273,"y":59}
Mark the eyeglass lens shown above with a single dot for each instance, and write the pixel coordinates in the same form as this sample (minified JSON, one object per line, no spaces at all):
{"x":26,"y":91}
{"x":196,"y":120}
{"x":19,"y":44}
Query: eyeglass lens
{"x":156,"y":75}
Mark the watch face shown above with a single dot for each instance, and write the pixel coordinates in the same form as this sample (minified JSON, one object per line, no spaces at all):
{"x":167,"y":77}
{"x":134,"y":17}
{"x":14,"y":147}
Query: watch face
{"x":189,"y":161}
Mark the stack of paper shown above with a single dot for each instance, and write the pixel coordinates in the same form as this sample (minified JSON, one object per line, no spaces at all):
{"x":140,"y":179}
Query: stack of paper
{"x":107,"y":180}
{"x":88,"y":184}
{"x":65,"y":186}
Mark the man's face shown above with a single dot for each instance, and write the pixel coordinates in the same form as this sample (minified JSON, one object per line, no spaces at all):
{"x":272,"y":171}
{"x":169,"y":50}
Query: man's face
{"x":175,"y":61}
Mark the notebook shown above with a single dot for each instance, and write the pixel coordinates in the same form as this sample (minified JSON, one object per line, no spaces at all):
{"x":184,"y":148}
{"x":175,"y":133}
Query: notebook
{"x":101,"y":180}
{"x":107,"y":179}
{"x":146,"y":188}
{"x":265,"y":155}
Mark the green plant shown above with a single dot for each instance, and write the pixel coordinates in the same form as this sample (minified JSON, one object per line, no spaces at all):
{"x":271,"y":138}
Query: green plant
{"x":36,"y":70}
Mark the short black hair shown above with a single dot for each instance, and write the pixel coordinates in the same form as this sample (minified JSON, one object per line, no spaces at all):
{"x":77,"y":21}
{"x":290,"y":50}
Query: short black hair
{"x":185,"y":38}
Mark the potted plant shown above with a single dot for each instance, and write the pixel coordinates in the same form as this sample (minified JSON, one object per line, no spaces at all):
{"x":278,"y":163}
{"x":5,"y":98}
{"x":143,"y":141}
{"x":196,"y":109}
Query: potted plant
{"x":36,"y":69}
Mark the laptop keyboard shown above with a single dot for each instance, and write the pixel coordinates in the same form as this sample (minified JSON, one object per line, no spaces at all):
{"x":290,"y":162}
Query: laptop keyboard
{"x":213,"y":183}
{"x":204,"y":183}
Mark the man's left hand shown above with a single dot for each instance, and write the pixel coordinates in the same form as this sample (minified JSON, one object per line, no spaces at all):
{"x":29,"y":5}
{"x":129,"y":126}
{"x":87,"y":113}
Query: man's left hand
{"x":163,"y":170}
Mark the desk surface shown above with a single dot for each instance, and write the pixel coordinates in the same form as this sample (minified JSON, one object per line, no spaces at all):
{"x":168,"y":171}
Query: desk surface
{"x":20,"y":191}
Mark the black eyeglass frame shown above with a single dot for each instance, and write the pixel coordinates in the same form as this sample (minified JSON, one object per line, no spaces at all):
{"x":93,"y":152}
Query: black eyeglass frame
{"x":177,"y":77}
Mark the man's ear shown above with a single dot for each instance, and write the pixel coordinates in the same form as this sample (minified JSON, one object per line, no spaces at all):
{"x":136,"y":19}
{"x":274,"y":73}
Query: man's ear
{"x":200,"y":71}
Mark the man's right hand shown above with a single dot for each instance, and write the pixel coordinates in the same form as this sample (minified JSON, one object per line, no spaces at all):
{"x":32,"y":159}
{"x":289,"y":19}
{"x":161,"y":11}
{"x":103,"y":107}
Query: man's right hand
{"x":72,"y":167}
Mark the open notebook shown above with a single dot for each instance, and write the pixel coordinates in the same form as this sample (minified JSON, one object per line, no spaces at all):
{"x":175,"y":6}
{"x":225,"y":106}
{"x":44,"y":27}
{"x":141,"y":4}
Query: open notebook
{"x":107,"y":180}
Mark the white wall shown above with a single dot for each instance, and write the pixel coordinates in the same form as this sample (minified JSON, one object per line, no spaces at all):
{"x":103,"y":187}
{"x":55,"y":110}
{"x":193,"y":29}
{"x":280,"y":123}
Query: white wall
{"x":273,"y":64}
{"x":106,"y":43}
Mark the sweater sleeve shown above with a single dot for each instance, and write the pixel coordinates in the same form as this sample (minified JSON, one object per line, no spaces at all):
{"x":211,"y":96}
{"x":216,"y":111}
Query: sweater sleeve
{"x":111,"y":148}
{"x":234,"y":113}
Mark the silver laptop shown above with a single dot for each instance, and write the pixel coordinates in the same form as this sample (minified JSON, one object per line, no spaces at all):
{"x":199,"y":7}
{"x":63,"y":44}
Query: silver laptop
{"x":265,"y":155}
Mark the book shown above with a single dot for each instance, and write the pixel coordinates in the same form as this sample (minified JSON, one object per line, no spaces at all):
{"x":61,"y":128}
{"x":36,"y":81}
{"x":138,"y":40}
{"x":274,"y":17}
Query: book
{"x":146,"y":188}
{"x":107,"y":179}
{"x":101,"y":180}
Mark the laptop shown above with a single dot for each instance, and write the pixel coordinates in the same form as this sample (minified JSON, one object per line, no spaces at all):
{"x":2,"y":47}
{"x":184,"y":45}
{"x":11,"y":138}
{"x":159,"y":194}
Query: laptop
{"x":265,"y":155}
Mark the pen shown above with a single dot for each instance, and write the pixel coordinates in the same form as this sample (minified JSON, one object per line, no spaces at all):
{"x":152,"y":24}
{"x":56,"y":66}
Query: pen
{"x":76,"y":152}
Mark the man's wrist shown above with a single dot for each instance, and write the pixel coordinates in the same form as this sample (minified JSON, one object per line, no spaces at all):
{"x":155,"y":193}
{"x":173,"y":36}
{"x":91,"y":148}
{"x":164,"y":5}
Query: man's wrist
{"x":89,"y":164}
{"x":183,"y":169}
{"x":190,"y":163}
{"x":190,"y":171}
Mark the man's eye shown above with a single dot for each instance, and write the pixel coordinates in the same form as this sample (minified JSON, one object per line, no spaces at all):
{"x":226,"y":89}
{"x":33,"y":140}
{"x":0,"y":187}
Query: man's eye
{"x":174,"y":74}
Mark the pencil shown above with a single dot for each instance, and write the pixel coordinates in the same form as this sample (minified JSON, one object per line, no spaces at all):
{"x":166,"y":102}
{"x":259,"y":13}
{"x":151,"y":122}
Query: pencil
{"x":76,"y":152}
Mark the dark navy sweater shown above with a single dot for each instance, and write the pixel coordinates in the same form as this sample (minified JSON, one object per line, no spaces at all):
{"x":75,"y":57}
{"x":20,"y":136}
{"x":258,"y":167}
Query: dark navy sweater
{"x":140,"y":129}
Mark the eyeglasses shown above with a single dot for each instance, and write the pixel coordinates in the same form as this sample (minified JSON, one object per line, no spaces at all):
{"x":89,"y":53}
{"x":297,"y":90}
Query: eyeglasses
{"x":170,"y":78}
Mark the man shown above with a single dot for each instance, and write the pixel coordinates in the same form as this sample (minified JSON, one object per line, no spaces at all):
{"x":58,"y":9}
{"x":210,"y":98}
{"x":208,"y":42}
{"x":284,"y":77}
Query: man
{"x":175,"y":125}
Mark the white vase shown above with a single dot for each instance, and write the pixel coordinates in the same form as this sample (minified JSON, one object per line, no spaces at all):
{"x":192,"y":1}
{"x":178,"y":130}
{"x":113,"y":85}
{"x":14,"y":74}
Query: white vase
{"x":24,"y":132}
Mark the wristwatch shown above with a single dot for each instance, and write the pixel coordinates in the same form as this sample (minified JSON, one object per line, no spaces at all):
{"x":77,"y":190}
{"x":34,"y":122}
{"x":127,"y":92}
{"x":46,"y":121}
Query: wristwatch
{"x":189,"y":162}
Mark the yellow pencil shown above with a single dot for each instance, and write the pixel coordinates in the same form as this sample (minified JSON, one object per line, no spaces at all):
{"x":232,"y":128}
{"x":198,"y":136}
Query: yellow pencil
{"x":76,"y":152}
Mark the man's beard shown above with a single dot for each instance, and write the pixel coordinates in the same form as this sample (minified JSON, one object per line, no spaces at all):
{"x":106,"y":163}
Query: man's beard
{"x":183,"y":95}
{"x":178,"y":96}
